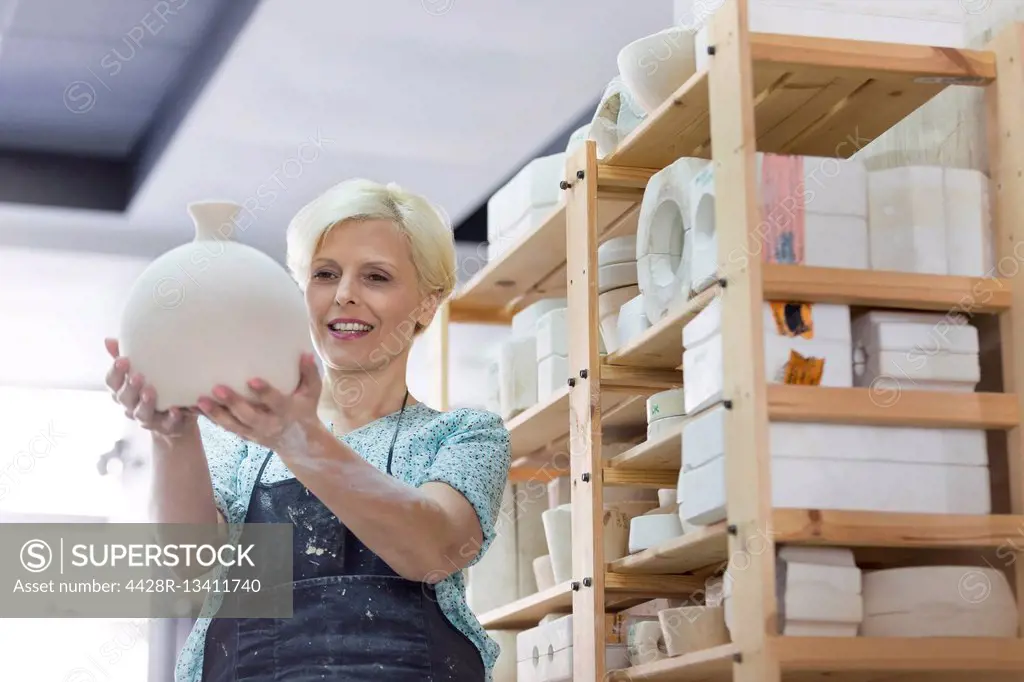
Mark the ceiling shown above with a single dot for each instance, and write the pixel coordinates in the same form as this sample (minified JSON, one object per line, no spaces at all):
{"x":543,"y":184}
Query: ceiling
{"x":144,"y":105}
{"x":114,"y":114}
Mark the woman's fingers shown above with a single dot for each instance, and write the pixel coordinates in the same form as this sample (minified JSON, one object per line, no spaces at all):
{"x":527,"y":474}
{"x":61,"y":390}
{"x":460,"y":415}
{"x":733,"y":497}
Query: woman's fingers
{"x":267,"y":397}
{"x":145,"y":411}
{"x":309,"y":376}
{"x":245,"y":412}
{"x":221,"y":415}
{"x":112,"y":347}
{"x":116,"y":375}
{"x":129,"y":393}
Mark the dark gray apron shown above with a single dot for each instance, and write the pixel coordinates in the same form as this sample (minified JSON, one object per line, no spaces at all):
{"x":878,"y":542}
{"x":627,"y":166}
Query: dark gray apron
{"x":354,"y":619}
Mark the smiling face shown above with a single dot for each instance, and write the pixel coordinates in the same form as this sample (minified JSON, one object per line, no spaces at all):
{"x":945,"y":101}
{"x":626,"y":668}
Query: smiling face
{"x":364,"y":296}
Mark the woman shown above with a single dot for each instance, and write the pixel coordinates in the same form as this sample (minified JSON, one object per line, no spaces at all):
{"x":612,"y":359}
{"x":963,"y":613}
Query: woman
{"x":389,"y":498}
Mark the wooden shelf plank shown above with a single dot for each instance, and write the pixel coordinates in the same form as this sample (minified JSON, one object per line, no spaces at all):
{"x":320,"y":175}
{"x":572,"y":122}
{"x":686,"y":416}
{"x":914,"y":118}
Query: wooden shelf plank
{"x":661,"y":346}
{"x":903,"y":654}
{"x":813,"y":96}
{"x":885,"y":289}
{"x":621,"y":591}
{"x":663,"y":454}
{"x":887,"y":403}
{"x":700,"y":666}
{"x":634,"y":478}
{"x":703,"y":547}
{"x":534,"y":267}
{"x":526,"y":612}
{"x":874,"y":529}
{"x":542,"y":430}
{"x":843,"y":659}
{"x":709,"y":545}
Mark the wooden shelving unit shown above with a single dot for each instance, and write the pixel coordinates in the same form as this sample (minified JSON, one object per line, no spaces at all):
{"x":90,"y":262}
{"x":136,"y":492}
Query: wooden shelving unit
{"x":761,"y":93}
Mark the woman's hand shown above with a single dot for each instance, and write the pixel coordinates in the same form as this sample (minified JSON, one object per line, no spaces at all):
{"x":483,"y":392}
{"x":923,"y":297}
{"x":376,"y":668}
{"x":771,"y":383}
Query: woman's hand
{"x":278,"y":421}
{"x":139,"y":398}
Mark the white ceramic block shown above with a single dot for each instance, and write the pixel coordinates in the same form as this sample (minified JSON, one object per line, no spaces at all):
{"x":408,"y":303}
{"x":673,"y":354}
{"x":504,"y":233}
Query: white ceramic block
{"x":501,"y":238}
{"x":661,"y":428}
{"x":552,"y":373}
{"x":969,"y":243}
{"x":915,"y":332}
{"x":542,"y":573}
{"x":646,"y":643}
{"x":617,"y":250}
{"x":666,"y":497}
{"x":714,"y":591}
{"x":692,"y":628}
{"x":906,"y":219}
{"x":921,"y":22}
{"x":609,"y":304}
{"x":558,"y":531}
{"x":632,"y":321}
{"x":536,"y":184}
{"x":544,"y":653}
{"x":616,"y":276}
{"x":813,"y":212}
{"x":838,"y":579}
{"x":493,"y":379}
{"x":815,"y":594}
{"x":665,"y":404}
{"x":552,"y":333}
{"x":893,"y":371}
{"x":524,"y":323}
{"x":703,"y":365}
{"x":817,"y":556}
{"x":829,"y":325}
{"x":915,"y":351}
{"x":796,"y":628}
{"x":847,"y":485}
{"x":938,"y":601}
{"x":826,"y":321}
{"x":913,"y":445}
{"x":517,"y":376}
{"x":650,"y":530}
{"x":809,"y":603}
{"x":704,"y":439}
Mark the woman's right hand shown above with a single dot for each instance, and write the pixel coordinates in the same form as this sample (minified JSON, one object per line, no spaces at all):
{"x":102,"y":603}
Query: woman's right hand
{"x":139,"y":399}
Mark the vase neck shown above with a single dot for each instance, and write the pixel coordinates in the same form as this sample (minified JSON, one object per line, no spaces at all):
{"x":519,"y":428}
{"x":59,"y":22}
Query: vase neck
{"x":214,"y":220}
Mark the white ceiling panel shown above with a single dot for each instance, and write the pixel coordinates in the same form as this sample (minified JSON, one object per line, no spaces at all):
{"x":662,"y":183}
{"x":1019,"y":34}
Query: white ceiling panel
{"x":118,"y":24}
{"x":449,"y":103}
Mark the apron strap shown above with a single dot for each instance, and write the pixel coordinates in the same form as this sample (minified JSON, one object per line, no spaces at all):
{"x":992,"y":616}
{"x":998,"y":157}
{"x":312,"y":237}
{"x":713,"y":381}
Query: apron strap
{"x":394,"y":438}
{"x":391,"y":450}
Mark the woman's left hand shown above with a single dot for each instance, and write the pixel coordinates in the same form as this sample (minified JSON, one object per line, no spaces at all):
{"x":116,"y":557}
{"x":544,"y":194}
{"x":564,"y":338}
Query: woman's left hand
{"x":272,"y":419}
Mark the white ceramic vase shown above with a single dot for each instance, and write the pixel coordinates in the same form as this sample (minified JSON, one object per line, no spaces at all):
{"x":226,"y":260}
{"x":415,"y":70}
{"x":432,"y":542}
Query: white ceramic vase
{"x":214,"y":311}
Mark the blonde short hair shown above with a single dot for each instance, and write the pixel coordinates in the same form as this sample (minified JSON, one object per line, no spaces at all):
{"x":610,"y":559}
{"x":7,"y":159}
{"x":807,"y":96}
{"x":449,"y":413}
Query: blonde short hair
{"x":425,"y":225}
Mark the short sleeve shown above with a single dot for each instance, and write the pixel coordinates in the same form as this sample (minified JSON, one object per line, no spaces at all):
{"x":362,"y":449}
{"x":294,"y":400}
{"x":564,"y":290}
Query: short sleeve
{"x":474,"y":458}
{"x":225,"y":453}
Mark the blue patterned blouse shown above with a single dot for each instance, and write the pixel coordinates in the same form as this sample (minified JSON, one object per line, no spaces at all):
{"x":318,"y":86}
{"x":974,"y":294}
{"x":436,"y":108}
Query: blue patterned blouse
{"x":465,"y":448}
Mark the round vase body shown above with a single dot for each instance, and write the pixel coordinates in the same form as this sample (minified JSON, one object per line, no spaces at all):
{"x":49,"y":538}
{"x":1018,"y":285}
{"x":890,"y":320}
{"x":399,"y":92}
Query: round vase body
{"x":211,"y":312}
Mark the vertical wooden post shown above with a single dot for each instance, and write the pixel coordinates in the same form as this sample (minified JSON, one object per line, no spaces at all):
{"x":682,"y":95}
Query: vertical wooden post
{"x":585,"y":416}
{"x":1005,"y":132}
{"x":436,"y":335}
{"x":747,"y":463}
